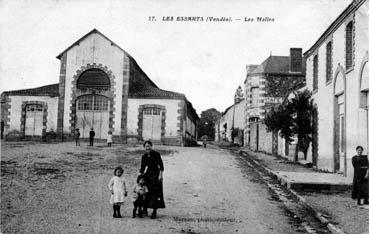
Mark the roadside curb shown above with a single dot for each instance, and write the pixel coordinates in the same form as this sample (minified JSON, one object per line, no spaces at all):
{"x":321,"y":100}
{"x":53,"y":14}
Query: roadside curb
{"x":319,"y":216}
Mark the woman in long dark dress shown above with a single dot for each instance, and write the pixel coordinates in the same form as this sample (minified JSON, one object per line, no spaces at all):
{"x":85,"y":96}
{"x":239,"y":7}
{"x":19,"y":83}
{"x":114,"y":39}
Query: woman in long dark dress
{"x":361,"y":173}
{"x":152,"y":168}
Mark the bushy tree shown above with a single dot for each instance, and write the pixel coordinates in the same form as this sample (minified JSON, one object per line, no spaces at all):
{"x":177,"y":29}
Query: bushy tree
{"x":280,"y":119}
{"x":302,"y":106}
{"x":293,"y":118}
{"x":207,"y":122}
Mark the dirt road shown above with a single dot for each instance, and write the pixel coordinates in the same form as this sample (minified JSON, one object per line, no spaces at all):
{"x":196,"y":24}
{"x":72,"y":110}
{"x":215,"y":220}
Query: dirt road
{"x":58,"y":188}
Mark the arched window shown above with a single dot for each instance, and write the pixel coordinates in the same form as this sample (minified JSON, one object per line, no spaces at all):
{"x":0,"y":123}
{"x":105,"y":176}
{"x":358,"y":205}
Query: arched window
{"x":315,"y":72}
{"x":329,"y":62}
{"x":92,"y":103}
{"x":349,"y":47}
{"x":93,"y":78}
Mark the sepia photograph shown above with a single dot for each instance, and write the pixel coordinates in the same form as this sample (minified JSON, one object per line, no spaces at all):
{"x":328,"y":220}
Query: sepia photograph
{"x":184,"y":116}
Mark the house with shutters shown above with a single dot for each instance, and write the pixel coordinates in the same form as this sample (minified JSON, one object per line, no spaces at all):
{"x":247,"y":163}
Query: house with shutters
{"x":102,"y":87}
{"x":266,"y":85}
{"x":337,"y":72}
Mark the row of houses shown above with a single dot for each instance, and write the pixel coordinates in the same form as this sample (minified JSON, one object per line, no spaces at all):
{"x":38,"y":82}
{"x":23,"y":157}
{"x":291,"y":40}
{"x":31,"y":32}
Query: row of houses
{"x":102,"y":87}
{"x":336,"y":70}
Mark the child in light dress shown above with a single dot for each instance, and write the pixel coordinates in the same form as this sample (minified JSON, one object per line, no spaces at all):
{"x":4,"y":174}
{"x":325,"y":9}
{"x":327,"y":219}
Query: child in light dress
{"x":139,"y":193}
{"x":109,"y":140}
{"x":118,"y":189}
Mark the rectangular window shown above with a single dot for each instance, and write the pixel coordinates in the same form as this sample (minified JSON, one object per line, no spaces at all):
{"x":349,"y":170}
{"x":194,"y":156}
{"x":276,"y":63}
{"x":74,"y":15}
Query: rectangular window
{"x":349,"y":47}
{"x":329,"y":62}
{"x":315,"y":72}
{"x":254,"y":96}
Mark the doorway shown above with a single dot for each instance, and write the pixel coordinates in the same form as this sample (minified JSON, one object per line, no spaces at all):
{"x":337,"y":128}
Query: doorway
{"x":151,"y":126}
{"x":34,"y":120}
{"x":92,"y":112}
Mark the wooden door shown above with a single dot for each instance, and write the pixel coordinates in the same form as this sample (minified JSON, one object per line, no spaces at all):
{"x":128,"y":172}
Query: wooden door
{"x":34,"y":120}
{"x":151,"y":127}
{"x":341,"y":133}
{"x":93,"y":112}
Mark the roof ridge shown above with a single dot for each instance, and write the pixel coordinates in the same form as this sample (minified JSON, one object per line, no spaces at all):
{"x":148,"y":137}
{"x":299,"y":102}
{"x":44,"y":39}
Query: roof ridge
{"x":86,"y":35}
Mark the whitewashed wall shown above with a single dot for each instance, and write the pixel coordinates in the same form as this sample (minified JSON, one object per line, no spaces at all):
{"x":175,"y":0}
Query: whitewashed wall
{"x":238,"y":111}
{"x":324,"y":98}
{"x":16,"y":110}
{"x":95,"y":49}
{"x":171,"y":106}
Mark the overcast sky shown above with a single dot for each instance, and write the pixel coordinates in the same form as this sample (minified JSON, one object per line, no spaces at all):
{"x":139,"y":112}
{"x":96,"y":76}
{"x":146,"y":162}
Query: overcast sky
{"x":204,"y":60}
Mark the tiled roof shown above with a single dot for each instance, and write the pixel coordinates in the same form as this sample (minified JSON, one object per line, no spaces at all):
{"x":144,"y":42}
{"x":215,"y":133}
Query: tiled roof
{"x":154,"y":92}
{"x":47,"y":90}
{"x":273,"y":64}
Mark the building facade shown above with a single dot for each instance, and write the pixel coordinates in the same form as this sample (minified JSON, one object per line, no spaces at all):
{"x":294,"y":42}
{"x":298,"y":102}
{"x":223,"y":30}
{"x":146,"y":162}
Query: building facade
{"x":266,"y":85}
{"x":337,"y":72}
{"x":230,"y":126}
{"x":101,"y":87}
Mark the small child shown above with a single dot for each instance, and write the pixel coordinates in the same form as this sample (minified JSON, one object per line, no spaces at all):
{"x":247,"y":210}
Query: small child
{"x":117,"y":187}
{"x":109,"y":140}
{"x":139,"y":193}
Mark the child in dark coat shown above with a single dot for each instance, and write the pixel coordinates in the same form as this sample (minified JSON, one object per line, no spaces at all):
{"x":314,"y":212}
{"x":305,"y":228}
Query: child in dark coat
{"x":139,"y":192}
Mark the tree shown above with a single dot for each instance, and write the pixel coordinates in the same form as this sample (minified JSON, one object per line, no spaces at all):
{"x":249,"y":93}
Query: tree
{"x":280,"y":120}
{"x":293,"y":118}
{"x":303,"y":108}
{"x":207,"y":122}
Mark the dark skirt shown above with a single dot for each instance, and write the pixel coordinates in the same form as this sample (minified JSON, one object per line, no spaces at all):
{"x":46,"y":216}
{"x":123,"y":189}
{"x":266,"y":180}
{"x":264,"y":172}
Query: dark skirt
{"x":360,"y":188}
{"x":155,"y":197}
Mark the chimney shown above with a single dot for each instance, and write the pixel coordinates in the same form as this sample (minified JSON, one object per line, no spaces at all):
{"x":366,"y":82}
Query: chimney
{"x":295,"y":59}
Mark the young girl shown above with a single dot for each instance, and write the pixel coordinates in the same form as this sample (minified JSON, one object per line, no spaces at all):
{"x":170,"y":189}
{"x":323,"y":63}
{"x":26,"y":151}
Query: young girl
{"x":117,"y":187}
{"x":109,"y":140}
{"x":139,"y":193}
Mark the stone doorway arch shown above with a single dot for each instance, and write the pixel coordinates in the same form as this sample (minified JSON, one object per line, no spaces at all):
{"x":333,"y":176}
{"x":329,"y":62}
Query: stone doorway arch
{"x":339,"y":120}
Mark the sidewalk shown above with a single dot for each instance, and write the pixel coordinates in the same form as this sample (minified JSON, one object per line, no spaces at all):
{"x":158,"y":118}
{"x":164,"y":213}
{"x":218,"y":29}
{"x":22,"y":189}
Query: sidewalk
{"x":335,"y":206}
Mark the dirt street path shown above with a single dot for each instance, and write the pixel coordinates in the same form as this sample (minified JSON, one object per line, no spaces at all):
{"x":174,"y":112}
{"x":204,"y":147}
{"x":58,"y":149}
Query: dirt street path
{"x":205,"y":190}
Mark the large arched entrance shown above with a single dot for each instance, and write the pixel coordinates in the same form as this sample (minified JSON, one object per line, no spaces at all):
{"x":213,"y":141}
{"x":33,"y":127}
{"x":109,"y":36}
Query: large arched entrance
{"x":340,"y":121}
{"x":92,"y":112}
{"x":92,"y":106}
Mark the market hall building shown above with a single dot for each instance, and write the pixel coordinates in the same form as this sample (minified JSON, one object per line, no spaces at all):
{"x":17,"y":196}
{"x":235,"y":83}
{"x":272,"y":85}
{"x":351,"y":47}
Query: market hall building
{"x":101,"y":87}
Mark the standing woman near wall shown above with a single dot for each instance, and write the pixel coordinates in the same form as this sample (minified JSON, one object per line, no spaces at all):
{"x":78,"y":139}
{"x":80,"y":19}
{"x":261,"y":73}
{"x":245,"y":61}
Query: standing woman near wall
{"x":152,"y":168}
{"x":361,"y":174}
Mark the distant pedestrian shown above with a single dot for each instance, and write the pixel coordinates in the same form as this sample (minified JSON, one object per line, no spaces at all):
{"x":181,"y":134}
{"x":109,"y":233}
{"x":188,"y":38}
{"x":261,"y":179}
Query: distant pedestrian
{"x":92,"y":135}
{"x":77,"y":136}
{"x":204,"y":140}
{"x":109,"y":140}
{"x":139,"y":196}
{"x":361,"y":175}
{"x":118,"y":190}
